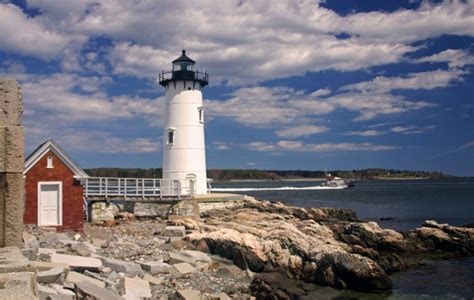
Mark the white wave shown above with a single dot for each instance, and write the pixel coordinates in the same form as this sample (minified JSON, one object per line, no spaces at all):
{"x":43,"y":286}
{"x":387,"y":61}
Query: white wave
{"x":283,"y":188}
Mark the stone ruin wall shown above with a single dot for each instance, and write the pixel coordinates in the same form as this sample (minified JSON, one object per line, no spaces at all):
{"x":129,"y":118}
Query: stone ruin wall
{"x":11,"y":163}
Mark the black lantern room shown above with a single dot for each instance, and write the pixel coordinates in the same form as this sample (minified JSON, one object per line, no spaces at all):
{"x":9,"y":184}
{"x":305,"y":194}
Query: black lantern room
{"x":183,"y":70}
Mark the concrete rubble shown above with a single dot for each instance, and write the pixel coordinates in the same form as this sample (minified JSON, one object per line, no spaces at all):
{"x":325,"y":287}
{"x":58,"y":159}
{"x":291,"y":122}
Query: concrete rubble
{"x":111,"y":263}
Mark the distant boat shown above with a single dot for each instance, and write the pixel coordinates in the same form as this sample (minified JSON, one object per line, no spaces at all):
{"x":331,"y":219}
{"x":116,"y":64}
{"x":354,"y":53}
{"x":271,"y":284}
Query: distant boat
{"x":336,"y":183}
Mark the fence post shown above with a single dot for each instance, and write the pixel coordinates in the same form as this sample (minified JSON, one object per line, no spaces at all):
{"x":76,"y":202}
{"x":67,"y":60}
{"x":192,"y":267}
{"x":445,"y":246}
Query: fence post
{"x":106,"y":186}
{"x":143,"y":188}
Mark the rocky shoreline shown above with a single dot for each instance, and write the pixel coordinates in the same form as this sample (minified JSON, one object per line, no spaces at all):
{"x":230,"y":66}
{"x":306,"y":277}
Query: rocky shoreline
{"x":261,"y":249}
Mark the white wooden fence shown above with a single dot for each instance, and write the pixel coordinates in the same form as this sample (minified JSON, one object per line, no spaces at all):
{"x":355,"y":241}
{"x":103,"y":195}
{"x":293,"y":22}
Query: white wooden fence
{"x":137,"y":187}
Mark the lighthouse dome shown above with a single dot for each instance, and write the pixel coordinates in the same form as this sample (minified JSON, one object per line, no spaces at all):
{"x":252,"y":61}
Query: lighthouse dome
{"x":183,"y":63}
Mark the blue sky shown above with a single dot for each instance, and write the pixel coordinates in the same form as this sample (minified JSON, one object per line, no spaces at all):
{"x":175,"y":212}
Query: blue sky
{"x":294,"y":84}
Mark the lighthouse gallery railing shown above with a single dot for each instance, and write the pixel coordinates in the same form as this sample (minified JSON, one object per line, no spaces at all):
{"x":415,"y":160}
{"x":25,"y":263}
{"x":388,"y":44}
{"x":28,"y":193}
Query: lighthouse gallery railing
{"x":136,"y":187}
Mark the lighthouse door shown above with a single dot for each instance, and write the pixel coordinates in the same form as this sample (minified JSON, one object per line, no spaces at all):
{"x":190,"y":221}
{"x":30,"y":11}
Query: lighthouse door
{"x":191,"y":182}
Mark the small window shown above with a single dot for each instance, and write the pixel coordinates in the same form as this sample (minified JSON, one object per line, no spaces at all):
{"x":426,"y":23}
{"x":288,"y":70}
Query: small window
{"x":49,"y":162}
{"x":201,"y":114}
{"x":170,"y":137}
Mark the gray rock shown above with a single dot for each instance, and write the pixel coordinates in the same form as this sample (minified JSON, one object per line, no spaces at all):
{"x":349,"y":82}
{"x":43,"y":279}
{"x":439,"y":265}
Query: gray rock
{"x":78,"y":262}
{"x":136,"y":288}
{"x":83,"y":248}
{"x":174,"y":231}
{"x":197,"y":255}
{"x":53,"y":275}
{"x":54,"y":239}
{"x":75,"y":277}
{"x":176,"y":257}
{"x":188,"y":295}
{"x":184,"y":268}
{"x":18,"y":286}
{"x":156,"y":267}
{"x":45,"y":291}
{"x":152,"y":279}
{"x":29,"y":240}
{"x":129,"y":268}
{"x":90,"y":290}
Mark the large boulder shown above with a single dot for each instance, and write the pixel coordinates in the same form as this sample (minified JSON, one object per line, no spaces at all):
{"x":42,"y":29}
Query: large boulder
{"x":262,"y":239}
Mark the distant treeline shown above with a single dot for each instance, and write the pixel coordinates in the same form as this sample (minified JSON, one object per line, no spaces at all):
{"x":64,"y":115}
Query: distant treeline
{"x":252,"y":174}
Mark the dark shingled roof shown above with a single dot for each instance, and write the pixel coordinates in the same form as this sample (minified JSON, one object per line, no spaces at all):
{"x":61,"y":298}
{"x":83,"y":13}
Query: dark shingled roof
{"x":184,"y":58}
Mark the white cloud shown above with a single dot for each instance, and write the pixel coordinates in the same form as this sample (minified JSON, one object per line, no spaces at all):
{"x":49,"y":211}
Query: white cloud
{"x":56,"y":96}
{"x":412,"y":129}
{"x":297,"y":146}
{"x":232,"y":35}
{"x":366,"y":133}
{"x":413,"y":81}
{"x":92,"y":141}
{"x":456,"y":58}
{"x":22,"y":34}
{"x":303,"y":130}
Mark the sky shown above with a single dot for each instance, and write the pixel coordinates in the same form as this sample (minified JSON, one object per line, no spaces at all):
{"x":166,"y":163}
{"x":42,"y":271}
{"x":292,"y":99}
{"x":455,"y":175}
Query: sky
{"x":294,"y":84}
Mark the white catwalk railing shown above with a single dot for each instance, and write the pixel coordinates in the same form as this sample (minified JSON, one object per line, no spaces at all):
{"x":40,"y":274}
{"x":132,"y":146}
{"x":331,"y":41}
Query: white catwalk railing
{"x":137,"y":187}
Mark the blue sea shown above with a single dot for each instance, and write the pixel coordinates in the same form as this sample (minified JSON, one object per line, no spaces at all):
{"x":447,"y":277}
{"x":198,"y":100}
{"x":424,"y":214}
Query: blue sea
{"x":396,"y":204}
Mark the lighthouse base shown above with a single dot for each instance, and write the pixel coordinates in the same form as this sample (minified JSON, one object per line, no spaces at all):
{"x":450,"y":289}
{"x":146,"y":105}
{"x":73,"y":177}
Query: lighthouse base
{"x":187,"y":183}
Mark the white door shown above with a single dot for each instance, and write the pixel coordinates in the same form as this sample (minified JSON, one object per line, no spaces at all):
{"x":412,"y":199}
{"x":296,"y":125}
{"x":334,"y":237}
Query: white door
{"x":49,"y":204}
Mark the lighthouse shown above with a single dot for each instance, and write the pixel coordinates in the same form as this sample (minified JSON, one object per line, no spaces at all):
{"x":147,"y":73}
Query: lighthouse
{"x":184,"y":152}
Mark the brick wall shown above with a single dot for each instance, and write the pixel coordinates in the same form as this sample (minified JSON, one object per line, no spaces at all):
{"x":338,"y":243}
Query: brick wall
{"x":72,"y":205}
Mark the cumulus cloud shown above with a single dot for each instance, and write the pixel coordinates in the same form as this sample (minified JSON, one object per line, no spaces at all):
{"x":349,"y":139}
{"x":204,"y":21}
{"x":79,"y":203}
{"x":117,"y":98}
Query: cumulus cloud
{"x":92,"y":141}
{"x":412,"y":129}
{"x":57,"y":95}
{"x":413,"y":81}
{"x":366,"y":133}
{"x":279,"y":106}
{"x":29,"y":36}
{"x":303,"y":130}
{"x":298,"y":146}
{"x":233,"y":35}
{"x":456,"y":58}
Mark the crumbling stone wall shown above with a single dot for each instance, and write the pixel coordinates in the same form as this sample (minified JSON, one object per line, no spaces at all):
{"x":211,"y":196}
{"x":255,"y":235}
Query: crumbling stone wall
{"x":11,"y":163}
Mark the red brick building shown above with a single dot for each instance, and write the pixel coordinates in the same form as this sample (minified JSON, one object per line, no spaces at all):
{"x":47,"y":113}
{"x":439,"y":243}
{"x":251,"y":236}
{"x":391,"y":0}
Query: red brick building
{"x":54,"y":194}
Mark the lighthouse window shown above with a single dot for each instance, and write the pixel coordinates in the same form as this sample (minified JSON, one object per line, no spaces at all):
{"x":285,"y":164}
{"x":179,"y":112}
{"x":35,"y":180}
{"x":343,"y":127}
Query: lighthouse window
{"x":170,"y":137}
{"x":201,"y":114}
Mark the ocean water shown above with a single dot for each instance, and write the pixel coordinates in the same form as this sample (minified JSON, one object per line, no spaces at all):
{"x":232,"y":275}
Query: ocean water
{"x":406,"y":204}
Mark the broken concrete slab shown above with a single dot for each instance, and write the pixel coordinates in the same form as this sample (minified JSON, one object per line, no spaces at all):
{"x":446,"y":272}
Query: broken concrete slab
{"x":75,"y":277}
{"x":12,"y":260}
{"x":45,"y":291}
{"x":63,"y":291}
{"x":136,"y":288}
{"x":92,"y":291}
{"x":152,"y":279}
{"x":197,"y":255}
{"x":184,"y":268}
{"x":45,"y":266}
{"x":62,"y":297}
{"x":77,"y":262}
{"x":18,"y":286}
{"x":156,"y":267}
{"x":188,"y":295}
{"x":127,"y":267}
{"x":54,"y":275}
{"x":174,"y":231}
{"x":177,"y":257}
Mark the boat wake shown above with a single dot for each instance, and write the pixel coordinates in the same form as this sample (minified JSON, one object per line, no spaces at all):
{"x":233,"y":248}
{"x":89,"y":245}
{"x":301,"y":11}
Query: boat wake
{"x":283,"y":188}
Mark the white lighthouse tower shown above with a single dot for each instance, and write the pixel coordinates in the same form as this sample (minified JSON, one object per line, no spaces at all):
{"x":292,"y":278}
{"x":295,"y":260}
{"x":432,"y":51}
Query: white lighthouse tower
{"x":184,"y":152}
